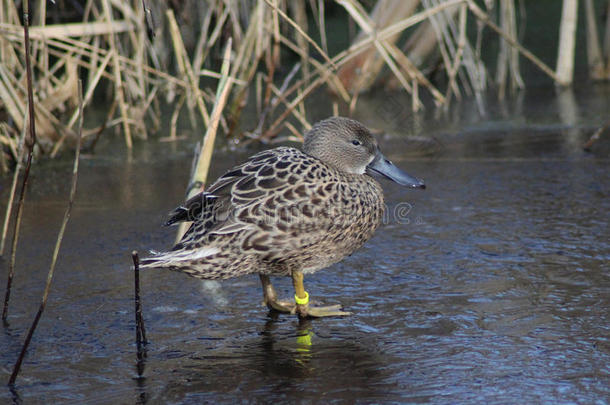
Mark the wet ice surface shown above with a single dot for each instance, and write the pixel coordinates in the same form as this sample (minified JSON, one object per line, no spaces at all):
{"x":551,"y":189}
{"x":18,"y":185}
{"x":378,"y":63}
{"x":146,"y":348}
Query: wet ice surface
{"x":491,"y":287}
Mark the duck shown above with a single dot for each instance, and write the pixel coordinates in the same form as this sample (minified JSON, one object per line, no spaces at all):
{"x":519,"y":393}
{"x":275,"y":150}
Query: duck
{"x":287,"y":212}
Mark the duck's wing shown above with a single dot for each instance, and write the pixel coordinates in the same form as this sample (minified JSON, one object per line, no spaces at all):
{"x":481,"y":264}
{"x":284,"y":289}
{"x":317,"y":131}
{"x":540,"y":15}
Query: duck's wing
{"x":287,"y":202}
{"x":217,"y":209}
{"x":192,"y":209}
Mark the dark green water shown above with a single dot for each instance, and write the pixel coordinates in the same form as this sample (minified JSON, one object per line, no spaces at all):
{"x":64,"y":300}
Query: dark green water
{"x":492,"y":286}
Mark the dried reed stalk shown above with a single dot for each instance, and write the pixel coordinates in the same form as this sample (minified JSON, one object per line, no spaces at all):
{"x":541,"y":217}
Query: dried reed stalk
{"x":508,"y":59}
{"x":567,"y":42}
{"x":244,"y":67}
{"x":595,"y":58}
{"x":303,"y":39}
{"x":13,"y":192}
{"x":80,"y":29}
{"x":29,"y":144}
{"x":299,"y":13}
{"x":185,"y":67}
{"x":453,"y":69}
{"x":322,"y":25}
{"x":301,"y":32}
{"x":60,"y":237}
{"x":272,"y":56}
{"x":118,"y":81}
{"x":473,"y":76}
{"x":200,"y":173}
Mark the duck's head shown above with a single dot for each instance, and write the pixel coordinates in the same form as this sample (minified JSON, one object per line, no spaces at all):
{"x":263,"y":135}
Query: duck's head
{"x":349,"y":146}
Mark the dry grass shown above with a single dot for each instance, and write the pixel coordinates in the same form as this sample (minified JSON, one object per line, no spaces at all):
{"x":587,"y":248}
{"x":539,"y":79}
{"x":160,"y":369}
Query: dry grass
{"x":111,"y":48}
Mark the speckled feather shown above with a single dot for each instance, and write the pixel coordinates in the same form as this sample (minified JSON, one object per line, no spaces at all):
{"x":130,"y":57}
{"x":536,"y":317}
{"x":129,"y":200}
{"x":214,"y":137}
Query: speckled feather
{"x":281,"y":210}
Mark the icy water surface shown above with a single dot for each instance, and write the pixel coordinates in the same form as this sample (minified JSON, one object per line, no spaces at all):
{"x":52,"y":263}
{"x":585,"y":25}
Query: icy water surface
{"x":491,"y":286}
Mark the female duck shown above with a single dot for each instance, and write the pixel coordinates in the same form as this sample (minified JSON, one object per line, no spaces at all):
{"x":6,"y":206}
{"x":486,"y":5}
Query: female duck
{"x":287,"y":212}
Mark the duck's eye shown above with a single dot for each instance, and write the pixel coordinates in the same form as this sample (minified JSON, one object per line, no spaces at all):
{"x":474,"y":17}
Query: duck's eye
{"x":356,"y":142}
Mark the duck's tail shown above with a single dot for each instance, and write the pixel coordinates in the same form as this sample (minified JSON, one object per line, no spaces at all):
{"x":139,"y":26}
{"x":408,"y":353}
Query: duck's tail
{"x":150,"y":263}
{"x":177,"y":259}
{"x":154,"y":261}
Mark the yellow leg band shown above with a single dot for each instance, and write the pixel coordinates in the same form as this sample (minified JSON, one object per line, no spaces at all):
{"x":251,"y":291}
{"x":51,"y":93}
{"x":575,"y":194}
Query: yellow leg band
{"x":302,"y":301}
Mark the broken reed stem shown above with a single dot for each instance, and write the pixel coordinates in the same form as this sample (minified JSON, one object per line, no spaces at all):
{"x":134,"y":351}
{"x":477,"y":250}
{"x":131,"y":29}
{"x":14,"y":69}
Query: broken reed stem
{"x":200,"y":174}
{"x":140,"y":331}
{"x":596,"y":135}
{"x":29,"y":143}
{"x":60,"y":237}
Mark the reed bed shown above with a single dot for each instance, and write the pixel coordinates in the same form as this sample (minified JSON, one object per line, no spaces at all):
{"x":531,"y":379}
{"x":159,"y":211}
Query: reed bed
{"x":140,"y":56}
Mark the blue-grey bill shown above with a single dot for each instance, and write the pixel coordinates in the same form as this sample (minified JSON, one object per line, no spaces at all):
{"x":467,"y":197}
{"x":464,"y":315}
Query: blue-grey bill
{"x":383,"y":166}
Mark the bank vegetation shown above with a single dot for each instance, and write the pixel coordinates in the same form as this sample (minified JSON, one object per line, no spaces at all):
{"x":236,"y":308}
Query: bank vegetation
{"x":141,"y":57}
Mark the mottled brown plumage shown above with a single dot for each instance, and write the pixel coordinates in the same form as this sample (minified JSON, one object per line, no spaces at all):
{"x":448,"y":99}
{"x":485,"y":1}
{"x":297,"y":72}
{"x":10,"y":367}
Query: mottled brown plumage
{"x":285,"y":210}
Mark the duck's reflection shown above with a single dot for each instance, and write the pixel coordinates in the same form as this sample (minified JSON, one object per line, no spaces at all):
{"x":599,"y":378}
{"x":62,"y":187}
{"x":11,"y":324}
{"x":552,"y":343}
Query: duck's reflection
{"x":281,"y":353}
{"x":304,"y":342}
{"x":282,"y":359}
